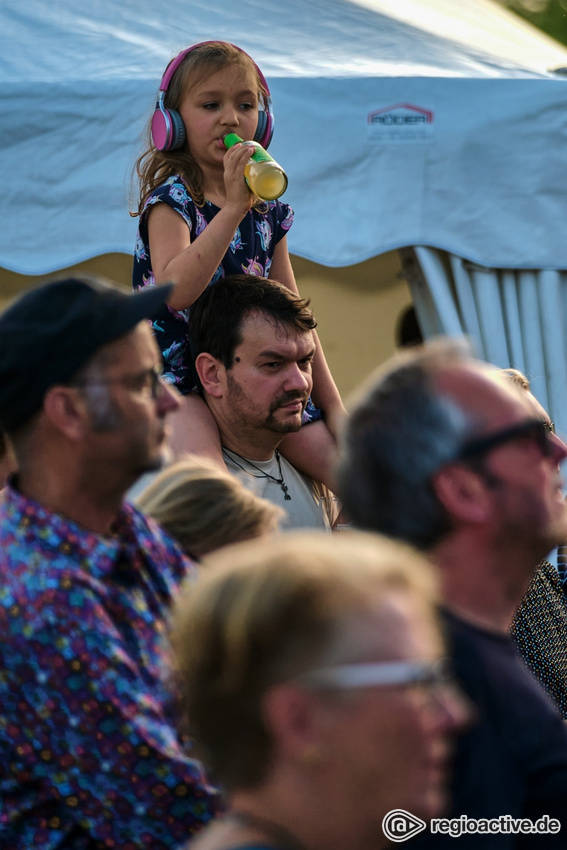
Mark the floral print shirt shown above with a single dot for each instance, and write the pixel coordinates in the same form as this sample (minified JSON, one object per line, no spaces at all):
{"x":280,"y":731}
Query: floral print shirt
{"x":250,"y":252}
{"x":89,"y":755}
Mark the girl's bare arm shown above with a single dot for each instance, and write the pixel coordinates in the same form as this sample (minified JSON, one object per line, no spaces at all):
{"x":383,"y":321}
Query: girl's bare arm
{"x":325,"y":394}
{"x":191,"y":265}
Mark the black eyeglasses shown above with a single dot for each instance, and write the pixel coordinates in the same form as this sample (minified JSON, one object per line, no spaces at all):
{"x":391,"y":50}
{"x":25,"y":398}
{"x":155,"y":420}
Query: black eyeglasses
{"x":536,"y":430}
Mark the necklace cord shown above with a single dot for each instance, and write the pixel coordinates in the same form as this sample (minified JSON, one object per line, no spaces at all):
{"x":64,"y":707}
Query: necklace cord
{"x":227,"y":453}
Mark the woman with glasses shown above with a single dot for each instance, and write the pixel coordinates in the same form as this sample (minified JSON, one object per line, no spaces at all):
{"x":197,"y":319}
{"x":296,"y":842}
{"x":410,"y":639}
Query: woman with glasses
{"x":312,"y":675}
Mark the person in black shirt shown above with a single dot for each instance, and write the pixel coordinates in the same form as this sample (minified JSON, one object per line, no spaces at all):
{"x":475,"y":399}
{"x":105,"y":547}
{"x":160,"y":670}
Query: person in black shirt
{"x":443,"y":452}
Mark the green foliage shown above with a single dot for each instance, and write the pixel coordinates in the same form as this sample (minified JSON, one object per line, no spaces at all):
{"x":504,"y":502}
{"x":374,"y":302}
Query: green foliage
{"x":548,"y":15}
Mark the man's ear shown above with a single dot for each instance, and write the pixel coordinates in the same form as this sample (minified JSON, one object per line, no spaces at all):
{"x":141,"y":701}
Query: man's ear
{"x":296,"y":723}
{"x":463,"y":493}
{"x":212,"y":374}
{"x":66,"y":410}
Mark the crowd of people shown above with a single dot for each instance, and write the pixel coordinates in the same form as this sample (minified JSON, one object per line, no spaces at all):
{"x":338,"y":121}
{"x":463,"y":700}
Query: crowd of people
{"x":233,"y":615}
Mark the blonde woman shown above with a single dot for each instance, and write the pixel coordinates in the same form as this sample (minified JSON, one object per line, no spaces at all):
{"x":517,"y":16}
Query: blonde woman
{"x":203,"y":507}
{"x":312,"y":675}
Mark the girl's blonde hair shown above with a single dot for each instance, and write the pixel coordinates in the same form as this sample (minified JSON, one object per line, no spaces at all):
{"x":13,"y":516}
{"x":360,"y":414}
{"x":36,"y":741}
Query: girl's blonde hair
{"x":153,"y":167}
{"x":204,"y":507}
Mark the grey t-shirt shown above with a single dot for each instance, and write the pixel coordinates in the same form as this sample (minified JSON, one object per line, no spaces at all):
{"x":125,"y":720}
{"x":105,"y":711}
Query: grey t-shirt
{"x":310,"y":503}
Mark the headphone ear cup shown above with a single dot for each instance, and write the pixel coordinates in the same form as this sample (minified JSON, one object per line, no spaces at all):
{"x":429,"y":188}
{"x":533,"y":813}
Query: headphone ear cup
{"x":161,"y":129}
{"x":168,"y":130}
{"x":268,"y":130}
{"x":261,"y":127}
{"x":265,"y":126}
{"x":177,"y":130}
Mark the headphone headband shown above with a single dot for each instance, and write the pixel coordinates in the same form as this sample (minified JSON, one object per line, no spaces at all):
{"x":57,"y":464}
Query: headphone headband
{"x":167,"y":127}
{"x":175,"y":63}
{"x":172,"y":68}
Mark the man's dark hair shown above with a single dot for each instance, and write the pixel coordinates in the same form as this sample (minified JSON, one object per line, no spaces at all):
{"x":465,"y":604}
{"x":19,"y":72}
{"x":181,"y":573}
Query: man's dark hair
{"x":216,"y":318}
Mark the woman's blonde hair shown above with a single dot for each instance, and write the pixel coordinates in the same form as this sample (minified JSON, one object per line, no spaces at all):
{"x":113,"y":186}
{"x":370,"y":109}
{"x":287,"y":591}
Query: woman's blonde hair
{"x":153,"y":167}
{"x":204,"y":507}
{"x":265,"y":612}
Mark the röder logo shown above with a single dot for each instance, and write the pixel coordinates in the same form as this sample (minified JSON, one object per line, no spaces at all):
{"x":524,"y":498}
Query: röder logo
{"x":401,"y":123}
{"x":399,"y":825}
{"x":400,"y":114}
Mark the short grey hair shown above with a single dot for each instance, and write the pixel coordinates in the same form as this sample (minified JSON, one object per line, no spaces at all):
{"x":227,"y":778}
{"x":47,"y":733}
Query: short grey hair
{"x":90,"y":379}
{"x":400,"y":432}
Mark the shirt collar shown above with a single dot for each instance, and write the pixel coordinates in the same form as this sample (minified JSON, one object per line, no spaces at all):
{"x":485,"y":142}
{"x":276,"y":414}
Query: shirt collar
{"x":53,"y":532}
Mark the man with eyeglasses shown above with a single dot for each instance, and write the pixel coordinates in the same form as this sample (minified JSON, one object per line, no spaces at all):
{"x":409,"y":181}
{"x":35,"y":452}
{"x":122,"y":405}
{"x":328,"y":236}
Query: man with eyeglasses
{"x":442,"y":452}
{"x":90,"y":756}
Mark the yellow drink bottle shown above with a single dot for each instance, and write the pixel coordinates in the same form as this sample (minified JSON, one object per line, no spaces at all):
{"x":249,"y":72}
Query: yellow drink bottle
{"x":266,"y":179}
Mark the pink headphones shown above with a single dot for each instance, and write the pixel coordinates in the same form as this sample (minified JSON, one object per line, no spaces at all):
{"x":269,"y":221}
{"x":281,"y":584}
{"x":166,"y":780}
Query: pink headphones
{"x":168,"y":132}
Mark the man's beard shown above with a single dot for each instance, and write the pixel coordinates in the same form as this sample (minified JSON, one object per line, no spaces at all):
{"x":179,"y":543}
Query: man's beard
{"x":545,"y":535}
{"x":270,"y":422}
{"x":287,"y":426}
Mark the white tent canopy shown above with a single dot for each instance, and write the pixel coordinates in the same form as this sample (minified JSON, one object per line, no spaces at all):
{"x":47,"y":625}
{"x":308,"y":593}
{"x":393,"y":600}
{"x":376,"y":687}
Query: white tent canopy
{"x":400,"y":122}
{"x":515,"y":318}
{"x":431,"y":123}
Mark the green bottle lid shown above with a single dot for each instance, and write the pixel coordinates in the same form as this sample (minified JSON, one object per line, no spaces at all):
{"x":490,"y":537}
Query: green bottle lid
{"x":231,"y":139}
{"x":258,"y":155}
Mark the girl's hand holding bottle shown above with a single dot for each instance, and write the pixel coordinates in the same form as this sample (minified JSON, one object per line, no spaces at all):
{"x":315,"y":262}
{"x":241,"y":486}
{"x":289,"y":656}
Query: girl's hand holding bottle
{"x":238,"y":195}
{"x":198,"y":216}
{"x":265,"y":177}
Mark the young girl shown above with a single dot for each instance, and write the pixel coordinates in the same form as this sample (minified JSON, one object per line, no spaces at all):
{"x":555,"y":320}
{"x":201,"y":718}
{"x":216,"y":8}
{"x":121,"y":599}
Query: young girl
{"x":200,"y":222}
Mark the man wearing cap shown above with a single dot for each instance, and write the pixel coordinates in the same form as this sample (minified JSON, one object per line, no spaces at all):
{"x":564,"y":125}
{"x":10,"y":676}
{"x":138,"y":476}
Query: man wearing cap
{"x":90,"y":756}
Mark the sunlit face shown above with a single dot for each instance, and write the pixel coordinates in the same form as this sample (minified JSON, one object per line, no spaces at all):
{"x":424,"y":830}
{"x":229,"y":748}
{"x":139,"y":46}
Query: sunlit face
{"x":128,"y":434}
{"x":389,"y":746}
{"x":551,"y":479}
{"x":270,"y":380}
{"x":524,"y":481}
{"x":224,"y":102}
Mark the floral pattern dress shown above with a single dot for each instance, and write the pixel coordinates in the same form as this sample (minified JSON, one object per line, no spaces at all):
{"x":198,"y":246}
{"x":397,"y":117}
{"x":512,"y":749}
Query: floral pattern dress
{"x":250,"y":252}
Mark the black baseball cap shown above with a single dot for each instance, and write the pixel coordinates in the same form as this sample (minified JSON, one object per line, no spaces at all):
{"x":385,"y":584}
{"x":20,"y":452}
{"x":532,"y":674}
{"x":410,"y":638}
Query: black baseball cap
{"x":50,"y":331}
